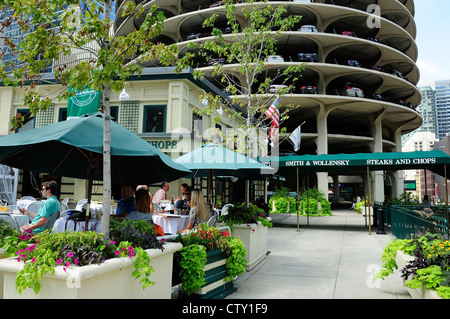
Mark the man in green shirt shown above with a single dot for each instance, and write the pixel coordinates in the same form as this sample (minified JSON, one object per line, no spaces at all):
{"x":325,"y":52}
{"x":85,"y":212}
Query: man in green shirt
{"x":48,"y":208}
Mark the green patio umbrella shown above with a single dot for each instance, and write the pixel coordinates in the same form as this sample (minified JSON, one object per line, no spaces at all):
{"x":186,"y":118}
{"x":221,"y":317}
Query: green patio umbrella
{"x":212,"y":159}
{"x":74,"y":148}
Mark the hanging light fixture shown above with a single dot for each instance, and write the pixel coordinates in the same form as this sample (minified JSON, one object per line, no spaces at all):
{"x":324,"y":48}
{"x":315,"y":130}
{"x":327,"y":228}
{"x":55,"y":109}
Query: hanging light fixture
{"x":124,"y":95}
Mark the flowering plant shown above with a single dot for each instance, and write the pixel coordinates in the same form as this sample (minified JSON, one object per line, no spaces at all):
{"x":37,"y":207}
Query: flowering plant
{"x":430,"y":268}
{"x":192,"y":257}
{"x":45,"y":251}
{"x":138,"y":232}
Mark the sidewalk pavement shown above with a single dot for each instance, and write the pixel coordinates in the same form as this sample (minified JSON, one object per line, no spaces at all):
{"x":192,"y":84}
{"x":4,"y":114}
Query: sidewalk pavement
{"x":333,"y":257}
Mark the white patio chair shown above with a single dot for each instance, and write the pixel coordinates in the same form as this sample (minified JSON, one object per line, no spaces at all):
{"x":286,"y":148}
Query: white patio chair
{"x":225,"y":209}
{"x":35,"y":206}
{"x":64,"y":207}
{"x":28,"y":198}
{"x":11,"y":220}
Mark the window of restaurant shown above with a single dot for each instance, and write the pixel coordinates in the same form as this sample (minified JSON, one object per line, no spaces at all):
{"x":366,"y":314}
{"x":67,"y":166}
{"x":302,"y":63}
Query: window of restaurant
{"x":197,"y":126}
{"x":45,"y":117}
{"x":154,"y":118}
{"x":129,"y":115}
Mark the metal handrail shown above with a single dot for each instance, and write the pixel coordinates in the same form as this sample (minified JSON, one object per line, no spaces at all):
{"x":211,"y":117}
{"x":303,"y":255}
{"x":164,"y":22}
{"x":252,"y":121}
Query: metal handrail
{"x":406,"y":222}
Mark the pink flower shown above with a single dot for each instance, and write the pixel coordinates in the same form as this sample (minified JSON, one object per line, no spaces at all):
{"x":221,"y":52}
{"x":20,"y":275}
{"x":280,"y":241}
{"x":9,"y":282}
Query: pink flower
{"x":33,"y":259}
{"x":19,"y":252}
{"x":59,"y":261}
{"x":76,"y":261}
{"x":30,"y":248}
{"x":112,"y":242}
{"x":117,"y":252}
{"x":70,"y":254}
{"x":67,"y":264}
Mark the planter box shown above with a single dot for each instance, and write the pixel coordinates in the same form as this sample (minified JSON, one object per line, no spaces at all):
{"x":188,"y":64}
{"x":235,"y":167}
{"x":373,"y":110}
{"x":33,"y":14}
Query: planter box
{"x":111,"y":279}
{"x":402,"y":259}
{"x":215,"y":272}
{"x":254,"y":237}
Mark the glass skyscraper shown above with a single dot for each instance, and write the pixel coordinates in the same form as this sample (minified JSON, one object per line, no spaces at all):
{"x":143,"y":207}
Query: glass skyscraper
{"x":442,"y":108}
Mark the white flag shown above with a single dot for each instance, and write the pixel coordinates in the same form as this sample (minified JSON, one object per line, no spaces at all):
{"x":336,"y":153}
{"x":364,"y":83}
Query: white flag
{"x":295,"y":137}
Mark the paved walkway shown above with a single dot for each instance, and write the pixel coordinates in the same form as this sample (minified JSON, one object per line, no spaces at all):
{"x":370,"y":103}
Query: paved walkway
{"x":331,"y":258}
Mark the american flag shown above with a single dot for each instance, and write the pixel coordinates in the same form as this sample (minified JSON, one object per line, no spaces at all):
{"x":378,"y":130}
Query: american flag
{"x":273,"y":113}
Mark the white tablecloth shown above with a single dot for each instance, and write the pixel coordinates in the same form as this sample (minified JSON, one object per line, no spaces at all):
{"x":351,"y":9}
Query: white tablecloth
{"x":97,"y":208}
{"x":60,"y":225}
{"x":171,"y":225}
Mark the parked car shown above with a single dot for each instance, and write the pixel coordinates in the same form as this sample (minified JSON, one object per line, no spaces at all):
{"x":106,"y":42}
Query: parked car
{"x":195,"y":35}
{"x":354,"y":63}
{"x":274,"y":88}
{"x":274,"y":58}
{"x":397,"y":73}
{"x":309,"y":89}
{"x":350,"y":89}
{"x":225,"y":30}
{"x":307,"y":28}
{"x":349,"y":33}
{"x":377,"y":97}
{"x":376,"y":68}
{"x":216,"y":61}
{"x":307,"y":57}
{"x":217,"y":4}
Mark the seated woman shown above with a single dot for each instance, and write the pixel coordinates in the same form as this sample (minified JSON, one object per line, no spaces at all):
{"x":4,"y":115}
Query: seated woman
{"x":199,"y":212}
{"x":142,"y":206}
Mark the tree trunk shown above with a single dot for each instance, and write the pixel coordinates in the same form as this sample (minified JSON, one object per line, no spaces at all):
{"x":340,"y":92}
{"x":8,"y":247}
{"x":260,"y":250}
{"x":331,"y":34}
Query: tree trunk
{"x":104,"y":227}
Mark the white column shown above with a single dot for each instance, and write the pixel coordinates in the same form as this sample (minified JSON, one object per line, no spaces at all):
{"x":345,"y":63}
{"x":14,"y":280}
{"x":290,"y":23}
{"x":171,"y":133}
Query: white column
{"x":377,"y":176}
{"x":322,"y":147}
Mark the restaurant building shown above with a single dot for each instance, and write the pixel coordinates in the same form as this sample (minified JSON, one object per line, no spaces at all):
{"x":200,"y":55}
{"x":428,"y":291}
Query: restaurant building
{"x":160,"y":110}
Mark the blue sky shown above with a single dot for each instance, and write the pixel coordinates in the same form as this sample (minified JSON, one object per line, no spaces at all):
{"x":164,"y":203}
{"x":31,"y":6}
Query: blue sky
{"x":433,"y":40}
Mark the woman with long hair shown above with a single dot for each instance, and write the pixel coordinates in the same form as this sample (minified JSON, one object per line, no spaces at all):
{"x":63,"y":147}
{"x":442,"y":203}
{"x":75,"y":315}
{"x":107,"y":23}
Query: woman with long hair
{"x":199,"y":212}
{"x":142,"y":204}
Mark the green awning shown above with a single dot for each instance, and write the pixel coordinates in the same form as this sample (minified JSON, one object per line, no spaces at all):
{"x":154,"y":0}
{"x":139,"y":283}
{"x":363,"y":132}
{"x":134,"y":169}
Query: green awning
{"x":431,"y":160}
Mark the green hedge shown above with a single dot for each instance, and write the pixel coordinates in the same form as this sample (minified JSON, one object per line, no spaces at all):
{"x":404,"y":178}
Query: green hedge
{"x":281,"y":203}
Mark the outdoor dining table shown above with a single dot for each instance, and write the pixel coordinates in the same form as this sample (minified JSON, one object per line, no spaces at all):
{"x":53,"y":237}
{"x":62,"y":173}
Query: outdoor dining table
{"x":170,"y":223}
{"x":61,"y":225}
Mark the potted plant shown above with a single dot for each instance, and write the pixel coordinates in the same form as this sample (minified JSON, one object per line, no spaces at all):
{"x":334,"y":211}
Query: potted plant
{"x":424,"y":262}
{"x":281,"y":202}
{"x":250,"y":224}
{"x":208,"y":263}
{"x":88,"y":265}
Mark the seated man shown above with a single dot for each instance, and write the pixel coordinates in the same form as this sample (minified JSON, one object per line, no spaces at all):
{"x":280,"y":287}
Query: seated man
{"x":50,"y":206}
{"x":185,"y":203}
{"x":126,"y":203}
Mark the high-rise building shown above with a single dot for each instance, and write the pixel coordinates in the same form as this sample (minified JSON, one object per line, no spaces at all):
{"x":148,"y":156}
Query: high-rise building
{"x":12,"y":32}
{"x":428,"y":110}
{"x":442,"y":108}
